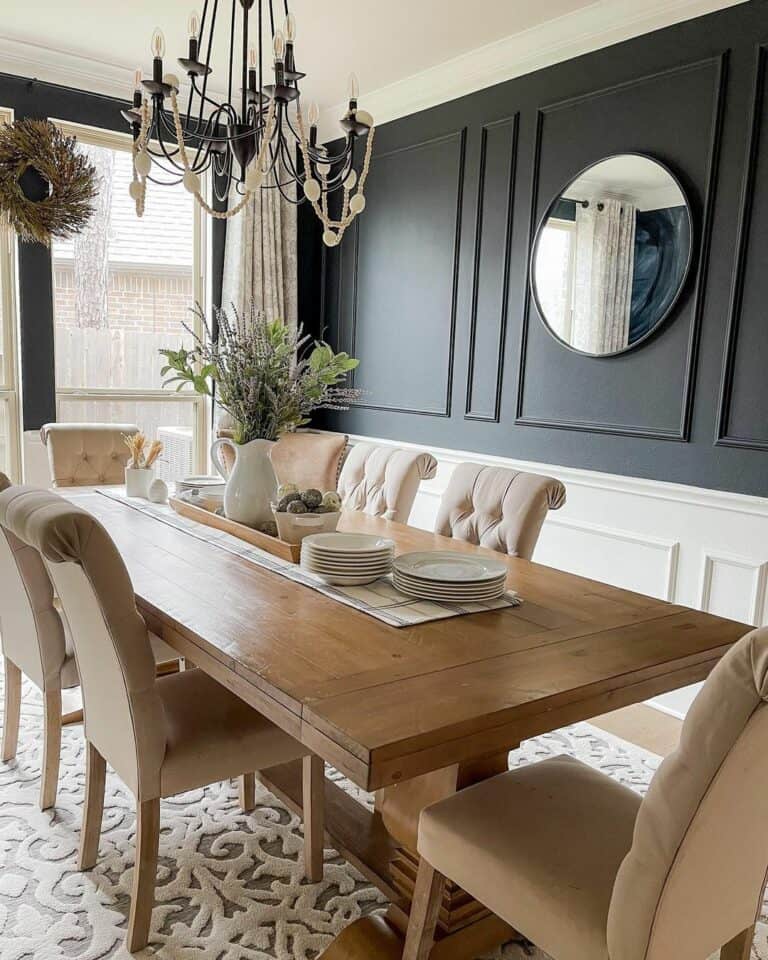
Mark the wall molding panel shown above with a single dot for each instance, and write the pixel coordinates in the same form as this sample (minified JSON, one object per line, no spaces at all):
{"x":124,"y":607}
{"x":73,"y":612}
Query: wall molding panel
{"x":727,"y":386}
{"x":459,"y":137}
{"x":696,"y":282}
{"x":748,"y":602}
{"x":494,"y":413}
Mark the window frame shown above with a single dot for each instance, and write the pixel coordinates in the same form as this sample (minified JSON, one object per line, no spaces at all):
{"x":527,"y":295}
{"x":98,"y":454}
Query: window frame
{"x":9,"y":387}
{"x":114,"y":140}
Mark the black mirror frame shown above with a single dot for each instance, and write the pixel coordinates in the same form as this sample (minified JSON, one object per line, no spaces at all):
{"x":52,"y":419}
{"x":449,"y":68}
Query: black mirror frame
{"x":683,"y":280}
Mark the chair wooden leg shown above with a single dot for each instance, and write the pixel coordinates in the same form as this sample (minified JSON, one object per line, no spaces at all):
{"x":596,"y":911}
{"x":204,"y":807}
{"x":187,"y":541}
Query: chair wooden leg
{"x":51,"y":748}
{"x":93,"y":810}
{"x":246,"y":789}
{"x":425,"y":907}
{"x":740,"y":948}
{"x":144,"y":874}
{"x":313,"y":788}
{"x":11,"y":710}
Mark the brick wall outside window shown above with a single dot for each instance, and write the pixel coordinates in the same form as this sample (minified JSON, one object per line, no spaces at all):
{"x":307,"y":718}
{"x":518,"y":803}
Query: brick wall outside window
{"x":155,"y":303}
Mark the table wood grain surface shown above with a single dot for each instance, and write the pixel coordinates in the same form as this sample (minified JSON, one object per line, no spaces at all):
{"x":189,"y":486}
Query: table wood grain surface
{"x":386,"y":704}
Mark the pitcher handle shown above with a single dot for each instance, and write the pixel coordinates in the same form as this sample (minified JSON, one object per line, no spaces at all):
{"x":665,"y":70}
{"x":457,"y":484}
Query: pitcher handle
{"x":216,"y":456}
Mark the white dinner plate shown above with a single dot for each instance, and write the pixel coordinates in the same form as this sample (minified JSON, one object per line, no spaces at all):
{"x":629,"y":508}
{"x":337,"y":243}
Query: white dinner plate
{"x":449,"y":582}
{"x":349,"y":557}
{"x":386,"y":560}
{"x":379,"y":571}
{"x":449,"y":596}
{"x":349,"y":543}
{"x":444,"y":567}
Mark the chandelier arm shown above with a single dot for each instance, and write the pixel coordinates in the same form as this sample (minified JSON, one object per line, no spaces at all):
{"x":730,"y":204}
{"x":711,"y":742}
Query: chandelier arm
{"x":207,"y":58}
{"x":245,"y":62}
{"x":271,"y":18}
{"x":231,"y":50}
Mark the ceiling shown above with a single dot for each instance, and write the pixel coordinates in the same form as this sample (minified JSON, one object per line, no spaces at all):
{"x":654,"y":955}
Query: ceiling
{"x":408,"y":54}
{"x":381,"y":40}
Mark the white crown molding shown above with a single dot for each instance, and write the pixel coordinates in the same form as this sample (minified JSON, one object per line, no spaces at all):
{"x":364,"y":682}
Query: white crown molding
{"x":52,"y":65}
{"x":601,"y":24}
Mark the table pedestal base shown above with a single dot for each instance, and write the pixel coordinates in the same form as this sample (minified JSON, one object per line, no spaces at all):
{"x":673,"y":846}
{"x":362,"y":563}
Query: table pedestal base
{"x":381,"y":844}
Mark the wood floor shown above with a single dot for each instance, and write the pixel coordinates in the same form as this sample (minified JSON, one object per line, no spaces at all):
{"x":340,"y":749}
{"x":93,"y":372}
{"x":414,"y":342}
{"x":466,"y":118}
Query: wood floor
{"x":644,"y":726}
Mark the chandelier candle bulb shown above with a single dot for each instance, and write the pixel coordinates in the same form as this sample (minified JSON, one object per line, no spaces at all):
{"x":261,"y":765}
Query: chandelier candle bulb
{"x":158,"y":44}
{"x":137,"y":78}
{"x":289,"y":28}
{"x":278,"y":45}
{"x":353,"y":87}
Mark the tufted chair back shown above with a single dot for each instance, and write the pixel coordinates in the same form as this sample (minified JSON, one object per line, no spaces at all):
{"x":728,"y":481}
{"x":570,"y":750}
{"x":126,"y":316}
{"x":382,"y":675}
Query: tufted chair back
{"x":309,"y":458}
{"x":124,"y":716}
{"x":384,"y":481}
{"x":497,"y":508}
{"x":87,"y":454}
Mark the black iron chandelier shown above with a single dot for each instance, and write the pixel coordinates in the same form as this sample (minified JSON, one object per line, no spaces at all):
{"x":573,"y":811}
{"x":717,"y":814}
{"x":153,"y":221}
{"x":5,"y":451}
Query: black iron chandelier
{"x":257,"y":138}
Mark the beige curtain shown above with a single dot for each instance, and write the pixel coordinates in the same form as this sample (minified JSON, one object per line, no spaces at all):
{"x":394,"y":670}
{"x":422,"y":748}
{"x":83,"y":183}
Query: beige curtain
{"x":605,"y":247}
{"x":260,"y":256}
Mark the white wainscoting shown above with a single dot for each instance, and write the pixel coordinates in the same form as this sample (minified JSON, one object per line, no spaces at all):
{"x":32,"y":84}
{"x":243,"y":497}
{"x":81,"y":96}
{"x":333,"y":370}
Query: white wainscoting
{"x":701,"y":548}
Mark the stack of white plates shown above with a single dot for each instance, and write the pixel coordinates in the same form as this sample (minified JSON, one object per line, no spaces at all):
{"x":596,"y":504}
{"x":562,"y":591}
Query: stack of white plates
{"x":347,"y":559}
{"x":449,"y":577}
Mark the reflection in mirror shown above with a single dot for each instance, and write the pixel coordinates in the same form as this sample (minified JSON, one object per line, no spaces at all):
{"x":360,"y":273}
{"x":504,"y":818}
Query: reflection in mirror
{"x":611,"y":255}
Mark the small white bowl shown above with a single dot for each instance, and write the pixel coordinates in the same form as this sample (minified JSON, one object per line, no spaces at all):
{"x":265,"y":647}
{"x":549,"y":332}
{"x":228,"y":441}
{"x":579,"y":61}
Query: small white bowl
{"x":293,"y":527}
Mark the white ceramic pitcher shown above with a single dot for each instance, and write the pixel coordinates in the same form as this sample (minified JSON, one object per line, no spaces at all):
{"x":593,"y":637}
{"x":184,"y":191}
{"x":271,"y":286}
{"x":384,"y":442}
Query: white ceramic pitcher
{"x":252,"y":484}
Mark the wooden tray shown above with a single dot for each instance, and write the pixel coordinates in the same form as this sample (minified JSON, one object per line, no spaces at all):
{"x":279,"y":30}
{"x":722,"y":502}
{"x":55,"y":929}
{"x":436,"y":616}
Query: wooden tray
{"x":278,"y":548}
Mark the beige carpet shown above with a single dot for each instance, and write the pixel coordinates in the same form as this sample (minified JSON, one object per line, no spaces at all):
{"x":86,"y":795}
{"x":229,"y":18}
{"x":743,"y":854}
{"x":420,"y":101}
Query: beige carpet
{"x":230,"y":885}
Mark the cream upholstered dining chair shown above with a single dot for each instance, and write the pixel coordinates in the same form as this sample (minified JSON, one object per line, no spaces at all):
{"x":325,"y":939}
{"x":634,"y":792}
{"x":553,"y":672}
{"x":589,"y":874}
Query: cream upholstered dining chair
{"x":36,"y":642}
{"x":162,"y":735}
{"x":383,"y":481}
{"x":498,"y":508}
{"x":587,"y":870}
{"x":87,"y":454}
{"x":309,"y":458}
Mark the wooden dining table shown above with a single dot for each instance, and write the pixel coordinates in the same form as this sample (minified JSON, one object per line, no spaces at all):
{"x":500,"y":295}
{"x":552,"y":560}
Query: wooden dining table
{"x":412,"y":713}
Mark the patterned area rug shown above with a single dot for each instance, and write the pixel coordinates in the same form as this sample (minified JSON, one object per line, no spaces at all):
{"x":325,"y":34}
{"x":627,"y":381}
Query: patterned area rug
{"x":230,"y":885}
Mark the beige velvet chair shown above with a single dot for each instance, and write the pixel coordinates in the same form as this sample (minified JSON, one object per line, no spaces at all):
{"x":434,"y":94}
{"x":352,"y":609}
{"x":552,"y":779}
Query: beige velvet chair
{"x":36,"y":642}
{"x":87,"y":454}
{"x":497,"y":508}
{"x":587,"y":870}
{"x":309,"y":459}
{"x":162,"y":736}
{"x":384,"y":481}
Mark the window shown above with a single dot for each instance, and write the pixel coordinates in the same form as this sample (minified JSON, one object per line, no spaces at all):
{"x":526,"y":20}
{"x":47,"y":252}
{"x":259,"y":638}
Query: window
{"x":10,"y":455}
{"x":555,"y":266}
{"x":123,"y":289}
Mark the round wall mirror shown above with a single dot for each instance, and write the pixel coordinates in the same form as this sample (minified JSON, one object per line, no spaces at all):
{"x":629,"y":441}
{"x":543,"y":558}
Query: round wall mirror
{"x":611,"y":255}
